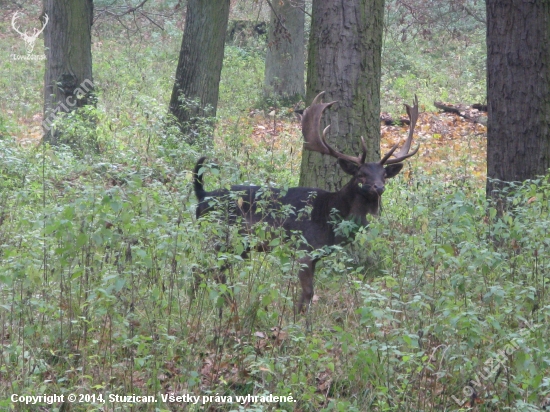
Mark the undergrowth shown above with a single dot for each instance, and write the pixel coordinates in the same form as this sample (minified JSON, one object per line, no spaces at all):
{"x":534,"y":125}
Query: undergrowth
{"x":108,"y":287}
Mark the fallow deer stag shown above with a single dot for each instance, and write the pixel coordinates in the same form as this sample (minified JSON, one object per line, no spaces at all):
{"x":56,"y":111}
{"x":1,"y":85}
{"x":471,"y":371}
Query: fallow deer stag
{"x":359,"y":197}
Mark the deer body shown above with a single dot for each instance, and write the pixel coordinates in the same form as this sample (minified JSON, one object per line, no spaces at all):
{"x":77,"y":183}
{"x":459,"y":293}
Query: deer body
{"x":359,"y":197}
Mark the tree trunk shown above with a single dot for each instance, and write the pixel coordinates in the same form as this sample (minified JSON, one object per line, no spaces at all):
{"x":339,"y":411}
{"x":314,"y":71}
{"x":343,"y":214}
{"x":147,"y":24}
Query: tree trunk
{"x":344,"y":60}
{"x":518,"y":91}
{"x":284,"y":62}
{"x":68,"y":82}
{"x":195,"y":92}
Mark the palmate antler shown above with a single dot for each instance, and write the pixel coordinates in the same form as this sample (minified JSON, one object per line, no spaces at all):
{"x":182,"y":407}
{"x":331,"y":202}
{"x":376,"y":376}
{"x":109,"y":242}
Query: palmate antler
{"x":315,"y":141}
{"x":412,"y":112}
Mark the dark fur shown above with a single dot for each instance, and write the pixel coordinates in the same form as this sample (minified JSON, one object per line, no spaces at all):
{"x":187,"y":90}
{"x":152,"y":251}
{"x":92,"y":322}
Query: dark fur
{"x":359,"y":197}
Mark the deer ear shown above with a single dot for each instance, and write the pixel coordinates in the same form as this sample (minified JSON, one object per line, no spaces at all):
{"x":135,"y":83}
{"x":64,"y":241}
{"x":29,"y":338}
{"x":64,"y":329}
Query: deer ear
{"x":349,"y":167}
{"x":393,"y":170}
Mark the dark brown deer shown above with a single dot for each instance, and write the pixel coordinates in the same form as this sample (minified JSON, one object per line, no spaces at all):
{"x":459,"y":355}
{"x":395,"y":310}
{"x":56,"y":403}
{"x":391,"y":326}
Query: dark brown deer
{"x":359,"y":197}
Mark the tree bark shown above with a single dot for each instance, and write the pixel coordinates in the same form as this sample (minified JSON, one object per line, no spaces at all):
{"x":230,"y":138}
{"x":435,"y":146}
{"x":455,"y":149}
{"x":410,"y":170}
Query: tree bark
{"x":284,"y":63}
{"x":518,"y":91}
{"x":68,"y":82}
{"x":344,"y":60}
{"x":195,"y":92}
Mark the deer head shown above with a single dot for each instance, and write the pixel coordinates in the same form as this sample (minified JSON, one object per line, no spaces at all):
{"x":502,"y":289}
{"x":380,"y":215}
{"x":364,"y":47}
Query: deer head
{"x":29,"y":39}
{"x":368,"y":178}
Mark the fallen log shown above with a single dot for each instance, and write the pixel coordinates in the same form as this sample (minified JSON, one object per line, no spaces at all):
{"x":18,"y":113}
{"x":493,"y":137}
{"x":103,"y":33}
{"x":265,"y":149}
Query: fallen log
{"x":475,"y":113}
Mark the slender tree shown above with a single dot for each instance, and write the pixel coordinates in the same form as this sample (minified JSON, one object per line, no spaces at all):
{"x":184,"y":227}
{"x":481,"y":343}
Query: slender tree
{"x":195,"y":92}
{"x":344,"y":59}
{"x":518,"y":91}
{"x":284,"y":63}
{"x":68,"y":82}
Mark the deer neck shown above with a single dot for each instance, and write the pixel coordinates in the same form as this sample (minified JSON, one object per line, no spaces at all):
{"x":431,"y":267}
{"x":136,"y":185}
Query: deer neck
{"x":353,"y":204}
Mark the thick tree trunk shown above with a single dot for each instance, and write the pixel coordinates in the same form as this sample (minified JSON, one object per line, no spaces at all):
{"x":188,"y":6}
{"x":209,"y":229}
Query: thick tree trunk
{"x":68,"y":81}
{"x":344,"y":60}
{"x":518,"y":91}
{"x":195,"y":92}
{"x":284,"y":62}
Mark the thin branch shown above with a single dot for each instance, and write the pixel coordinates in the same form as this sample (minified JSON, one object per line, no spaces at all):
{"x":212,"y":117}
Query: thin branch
{"x":107,"y":10}
{"x":472,"y":14}
{"x":151,"y":20}
{"x":279,"y":21}
{"x":298,"y":6}
{"x":118,"y":12}
{"x":133,"y":9}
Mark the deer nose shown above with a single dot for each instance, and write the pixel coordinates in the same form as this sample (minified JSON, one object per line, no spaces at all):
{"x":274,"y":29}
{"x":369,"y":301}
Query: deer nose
{"x":379,"y":189}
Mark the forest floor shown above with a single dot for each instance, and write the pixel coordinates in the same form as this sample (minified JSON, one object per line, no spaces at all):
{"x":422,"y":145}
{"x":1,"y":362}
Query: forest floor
{"x":449,"y":144}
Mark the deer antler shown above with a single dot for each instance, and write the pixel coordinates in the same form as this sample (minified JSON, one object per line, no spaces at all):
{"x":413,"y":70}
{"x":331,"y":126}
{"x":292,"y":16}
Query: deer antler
{"x":403,"y":154}
{"x":13,"y":19}
{"x":315,"y":141}
{"x":29,"y":39}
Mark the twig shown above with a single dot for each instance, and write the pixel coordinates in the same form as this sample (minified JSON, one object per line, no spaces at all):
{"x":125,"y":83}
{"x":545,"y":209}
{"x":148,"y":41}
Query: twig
{"x":133,"y":9}
{"x":151,"y":20}
{"x":117,"y":12}
{"x":298,"y":6}
{"x":129,"y":10}
{"x":279,"y":21}
{"x":472,"y":14}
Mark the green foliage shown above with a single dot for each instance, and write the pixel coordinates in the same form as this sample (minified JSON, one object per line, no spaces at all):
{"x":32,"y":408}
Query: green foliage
{"x":106,"y":257}
{"x":3,"y":127}
{"x":242,"y":79}
{"x":77,"y":130}
{"x":199,"y":128}
{"x":437,"y":53}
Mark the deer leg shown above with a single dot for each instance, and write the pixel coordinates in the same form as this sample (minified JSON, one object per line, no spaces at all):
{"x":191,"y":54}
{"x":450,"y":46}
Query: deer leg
{"x":307,"y":269}
{"x":222,"y":278}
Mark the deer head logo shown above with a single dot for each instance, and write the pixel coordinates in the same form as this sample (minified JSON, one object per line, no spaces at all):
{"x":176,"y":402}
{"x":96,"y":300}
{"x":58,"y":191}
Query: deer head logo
{"x":29,"y":39}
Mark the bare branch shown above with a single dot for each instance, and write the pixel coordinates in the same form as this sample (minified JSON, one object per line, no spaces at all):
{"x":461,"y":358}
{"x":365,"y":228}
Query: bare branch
{"x":299,"y":6}
{"x":472,"y":14}
{"x":279,"y":20}
{"x":151,"y":20}
{"x":128,"y":10}
{"x":135,"y":12}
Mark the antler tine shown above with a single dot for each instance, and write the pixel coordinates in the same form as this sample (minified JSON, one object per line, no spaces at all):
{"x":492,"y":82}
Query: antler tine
{"x":403,"y":154}
{"x":311,"y":122}
{"x":318,"y":99}
{"x":412,"y":112}
{"x":387,"y":155}
{"x":13,"y":20}
{"x":311,"y":126}
{"x":364,"y":148}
